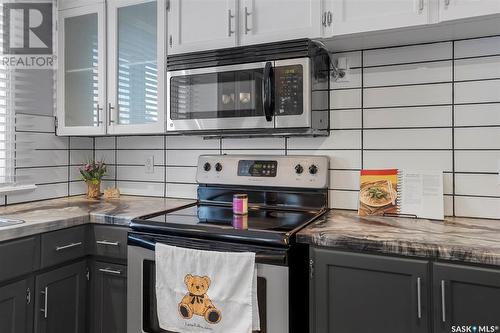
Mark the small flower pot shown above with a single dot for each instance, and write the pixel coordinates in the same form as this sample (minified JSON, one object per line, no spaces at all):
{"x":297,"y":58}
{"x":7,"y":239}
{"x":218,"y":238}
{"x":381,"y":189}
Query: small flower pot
{"x":93,"y":189}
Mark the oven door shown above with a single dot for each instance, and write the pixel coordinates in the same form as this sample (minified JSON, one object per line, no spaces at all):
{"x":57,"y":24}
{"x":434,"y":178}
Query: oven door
{"x":272,"y":294}
{"x":292,"y":81}
{"x":217,"y":98}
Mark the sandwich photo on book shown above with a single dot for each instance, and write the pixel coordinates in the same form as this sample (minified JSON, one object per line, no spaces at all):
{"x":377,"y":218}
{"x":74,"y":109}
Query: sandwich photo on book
{"x":401,"y":192}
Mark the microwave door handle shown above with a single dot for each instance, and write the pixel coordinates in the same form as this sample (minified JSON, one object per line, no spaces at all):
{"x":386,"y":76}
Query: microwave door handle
{"x":268,"y":91}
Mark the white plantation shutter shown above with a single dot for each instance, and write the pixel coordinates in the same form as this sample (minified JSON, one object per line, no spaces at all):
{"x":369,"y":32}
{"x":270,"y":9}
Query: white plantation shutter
{"x":7,"y":120}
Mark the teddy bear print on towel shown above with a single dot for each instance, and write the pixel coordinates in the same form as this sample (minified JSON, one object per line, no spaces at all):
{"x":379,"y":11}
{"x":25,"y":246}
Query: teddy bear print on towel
{"x":197,"y":302}
{"x":200,"y":291}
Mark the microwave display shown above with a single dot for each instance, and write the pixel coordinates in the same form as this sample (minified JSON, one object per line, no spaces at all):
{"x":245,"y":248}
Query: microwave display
{"x":289,"y":90}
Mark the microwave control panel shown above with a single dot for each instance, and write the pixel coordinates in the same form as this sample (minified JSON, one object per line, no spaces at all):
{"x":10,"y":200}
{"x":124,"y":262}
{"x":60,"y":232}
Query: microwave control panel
{"x":289,"y":96}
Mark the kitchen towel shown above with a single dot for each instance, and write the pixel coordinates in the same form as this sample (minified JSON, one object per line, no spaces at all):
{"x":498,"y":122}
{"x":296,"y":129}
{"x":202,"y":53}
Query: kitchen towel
{"x":206,"y":291}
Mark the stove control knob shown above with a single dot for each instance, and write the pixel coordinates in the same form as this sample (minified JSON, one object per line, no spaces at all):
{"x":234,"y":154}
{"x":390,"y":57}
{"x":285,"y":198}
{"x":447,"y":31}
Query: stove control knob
{"x":299,"y":169}
{"x":218,"y":167}
{"x":207,"y":167}
{"x":313,"y":169}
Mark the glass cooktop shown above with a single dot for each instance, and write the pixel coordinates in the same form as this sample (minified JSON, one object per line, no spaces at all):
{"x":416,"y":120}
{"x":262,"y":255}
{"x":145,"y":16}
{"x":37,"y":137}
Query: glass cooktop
{"x":213,"y":221}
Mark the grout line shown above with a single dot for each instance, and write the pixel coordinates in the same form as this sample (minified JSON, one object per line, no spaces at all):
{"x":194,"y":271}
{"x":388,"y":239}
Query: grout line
{"x":362,"y":109}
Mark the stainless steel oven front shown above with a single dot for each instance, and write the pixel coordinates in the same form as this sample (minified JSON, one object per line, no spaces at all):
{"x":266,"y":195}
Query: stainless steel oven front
{"x":257,"y":96}
{"x":272,"y":286}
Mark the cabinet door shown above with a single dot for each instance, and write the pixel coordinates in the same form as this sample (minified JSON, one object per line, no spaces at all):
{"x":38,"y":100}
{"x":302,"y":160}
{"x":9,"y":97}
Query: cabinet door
{"x":457,"y":9}
{"x":359,"y":293}
{"x":352,"y":16}
{"x":61,"y":300}
{"x":265,"y":21}
{"x":195,"y":25}
{"x":136,"y":52}
{"x":465,"y":296}
{"x":81,"y":76}
{"x":109,"y":298}
{"x":16,"y":308}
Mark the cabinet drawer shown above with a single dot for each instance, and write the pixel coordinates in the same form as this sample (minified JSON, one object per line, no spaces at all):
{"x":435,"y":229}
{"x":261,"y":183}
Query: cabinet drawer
{"x":109,"y":241}
{"x":63,"y":245}
{"x":21,"y":256}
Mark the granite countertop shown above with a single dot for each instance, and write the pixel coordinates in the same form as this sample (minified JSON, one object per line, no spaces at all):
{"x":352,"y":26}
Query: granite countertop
{"x":50,"y":215}
{"x":460,"y":239}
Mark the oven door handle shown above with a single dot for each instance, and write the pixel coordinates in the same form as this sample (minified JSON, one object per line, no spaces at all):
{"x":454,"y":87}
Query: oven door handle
{"x":268,"y":91}
{"x":260,"y":257}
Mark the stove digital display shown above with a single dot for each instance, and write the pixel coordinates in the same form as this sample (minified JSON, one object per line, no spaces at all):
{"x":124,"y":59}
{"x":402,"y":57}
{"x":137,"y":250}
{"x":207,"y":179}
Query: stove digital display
{"x":257,"y":168}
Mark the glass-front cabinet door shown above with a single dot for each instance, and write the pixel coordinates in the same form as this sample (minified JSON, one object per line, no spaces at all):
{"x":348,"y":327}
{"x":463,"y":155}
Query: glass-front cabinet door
{"x":81,"y":77}
{"x":136,"y":52}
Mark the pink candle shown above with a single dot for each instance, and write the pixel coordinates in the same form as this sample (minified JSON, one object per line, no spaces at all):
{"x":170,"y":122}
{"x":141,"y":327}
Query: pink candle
{"x":240,"y":204}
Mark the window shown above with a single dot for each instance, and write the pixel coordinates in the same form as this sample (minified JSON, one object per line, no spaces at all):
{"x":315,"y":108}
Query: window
{"x":7,"y":122}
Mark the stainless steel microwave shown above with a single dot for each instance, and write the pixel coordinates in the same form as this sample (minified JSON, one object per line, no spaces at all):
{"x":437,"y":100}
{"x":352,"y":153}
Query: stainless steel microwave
{"x":270,"y":89}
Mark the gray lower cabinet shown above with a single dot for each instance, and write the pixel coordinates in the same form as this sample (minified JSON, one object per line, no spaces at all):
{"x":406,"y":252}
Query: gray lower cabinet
{"x":60,"y":302}
{"x":16,"y":308}
{"x":359,"y":293}
{"x":465,"y":296}
{"x":109,"y":298}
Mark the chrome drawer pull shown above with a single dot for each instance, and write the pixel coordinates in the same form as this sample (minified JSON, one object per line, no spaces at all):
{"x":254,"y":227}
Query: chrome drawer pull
{"x":65,"y":247}
{"x":419,"y":298}
{"x":110,"y":271}
{"x":443,"y":301}
{"x":45,"y":310}
{"x":105,"y":242}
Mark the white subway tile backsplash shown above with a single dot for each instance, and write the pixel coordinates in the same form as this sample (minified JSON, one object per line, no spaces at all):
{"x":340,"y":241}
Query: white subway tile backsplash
{"x":105,"y":142}
{"x":345,"y":99}
{"x":477,"y":68}
{"x":186,"y":191}
{"x":344,"y":180}
{"x":139,"y":173}
{"x":77,"y":157}
{"x":477,"y":47}
{"x":415,"y":160}
{"x":257,"y":143}
{"x":477,"y":184}
{"x":396,"y":112}
{"x":422,"y":138}
{"x":477,"y":207}
{"x":186,"y":157}
{"x":344,"y":199}
{"x":342,"y":119}
{"x":140,"y":142}
{"x":427,"y":72}
{"x":141,"y":188}
{"x":408,"y":54}
{"x":191,"y":142}
{"x":138,"y":157}
{"x":340,"y":139}
{"x":351,"y":80}
{"x":477,"y":138}
{"x":81,"y":143}
{"x":422,"y":116}
{"x":477,"y":161}
{"x":181,"y":175}
{"x":432,"y":94}
{"x":477,"y":114}
{"x":477,"y":91}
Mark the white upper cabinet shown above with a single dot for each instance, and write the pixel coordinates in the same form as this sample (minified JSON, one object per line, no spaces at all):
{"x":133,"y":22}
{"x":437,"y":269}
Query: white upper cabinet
{"x":81,"y":79}
{"x":136,"y":72}
{"x":111,"y":68}
{"x":198,"y":25}
{"x":353,"y":16}
{"x":195,"y":25}
{"x":458,"y":9}
{"x":263,"y":21}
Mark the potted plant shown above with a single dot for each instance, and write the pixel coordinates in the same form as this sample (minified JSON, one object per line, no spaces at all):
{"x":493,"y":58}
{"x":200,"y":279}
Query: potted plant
{"x":92,"y":173}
